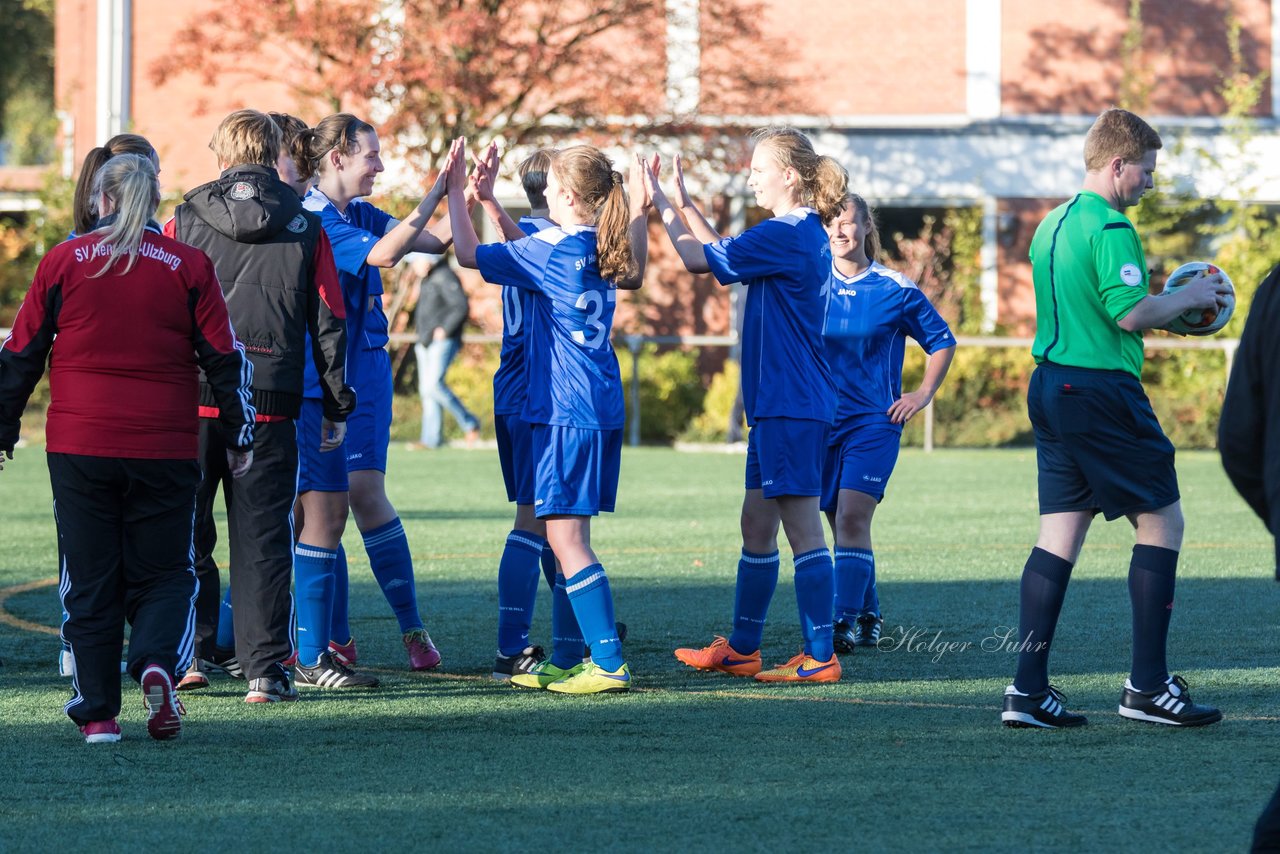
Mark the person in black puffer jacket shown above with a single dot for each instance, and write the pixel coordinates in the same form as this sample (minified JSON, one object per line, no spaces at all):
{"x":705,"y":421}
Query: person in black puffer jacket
{"x":276,"y":269}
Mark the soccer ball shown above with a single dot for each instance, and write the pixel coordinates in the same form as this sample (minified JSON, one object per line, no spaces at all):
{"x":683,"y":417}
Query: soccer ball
{"x":1199,"y":321}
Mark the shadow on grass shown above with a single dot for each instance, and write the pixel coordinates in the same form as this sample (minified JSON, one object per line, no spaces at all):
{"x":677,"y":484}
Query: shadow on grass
{"x":456,"y":759}
{"x":933,"y":631}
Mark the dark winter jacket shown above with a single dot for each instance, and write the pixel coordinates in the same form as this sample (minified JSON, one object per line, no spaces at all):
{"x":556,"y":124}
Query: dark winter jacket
{"x":1249,"y":430}
{"x":442,"y":304}
{"x":276,"y":269}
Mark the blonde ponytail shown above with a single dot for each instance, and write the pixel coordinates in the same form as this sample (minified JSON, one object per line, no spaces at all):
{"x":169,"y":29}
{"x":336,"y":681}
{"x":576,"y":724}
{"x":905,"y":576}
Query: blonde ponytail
{"x":613,"y":235}
{"x":589,"y":175}
{"x":129,"y":181}
{"x":830,"y":186}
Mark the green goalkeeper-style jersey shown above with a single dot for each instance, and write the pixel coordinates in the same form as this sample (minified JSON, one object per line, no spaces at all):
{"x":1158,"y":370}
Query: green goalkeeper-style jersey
{"x":1089,"y":271}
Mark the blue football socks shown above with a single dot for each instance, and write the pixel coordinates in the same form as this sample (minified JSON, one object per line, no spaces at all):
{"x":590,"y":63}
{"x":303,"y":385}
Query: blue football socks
{"x":871,"y":602}
{"x":854,"y":583}
{"x":814,"y":596}
{"x":592,"y":602}
{"x":226,"y":623}
{"x":567,"y":645}
{"x":549,"y":567}
{"x":392,"y":566}
{"x":517,"y":589}
{"x":757,"y":579}
{"x":340,"y":618}
{"x":313,"y":583}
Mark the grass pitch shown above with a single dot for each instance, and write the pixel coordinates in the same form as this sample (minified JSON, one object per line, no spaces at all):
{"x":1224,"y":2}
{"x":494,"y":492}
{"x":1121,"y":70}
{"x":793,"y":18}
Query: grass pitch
{"x":906,"y":753}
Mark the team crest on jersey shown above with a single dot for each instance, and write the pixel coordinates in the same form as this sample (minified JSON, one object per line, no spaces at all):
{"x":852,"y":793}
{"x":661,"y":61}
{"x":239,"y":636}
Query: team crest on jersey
{"x":1131,"y":274}
{"x":240,"y":191}
{"x":298,"y":224}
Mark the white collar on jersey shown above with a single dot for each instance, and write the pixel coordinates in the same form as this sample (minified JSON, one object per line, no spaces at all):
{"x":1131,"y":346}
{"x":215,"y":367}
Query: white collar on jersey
{"x":849,"y":280}
{"x":880,"y":270}
{"x":556,"y":233}
{"x":797,"y":214}
{"x":319,"y":200}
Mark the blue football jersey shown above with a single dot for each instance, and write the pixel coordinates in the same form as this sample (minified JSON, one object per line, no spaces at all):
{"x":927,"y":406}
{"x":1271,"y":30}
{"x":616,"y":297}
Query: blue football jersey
{"x":784,"y":262}
{"x":352,"y":235}
{"x":509,"y":384}
{"x":868,"y":319}
{"x":571,"y":371}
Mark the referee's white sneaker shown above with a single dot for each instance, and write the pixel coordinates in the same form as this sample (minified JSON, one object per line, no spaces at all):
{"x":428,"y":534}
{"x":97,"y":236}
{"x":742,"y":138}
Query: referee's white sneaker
{"x":1170,"y":704}
{"x":1045,"y":710}
{"x":328,"y":672}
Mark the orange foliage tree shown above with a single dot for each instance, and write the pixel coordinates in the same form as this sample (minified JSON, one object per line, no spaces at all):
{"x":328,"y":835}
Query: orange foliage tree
{"x":427,"y":71}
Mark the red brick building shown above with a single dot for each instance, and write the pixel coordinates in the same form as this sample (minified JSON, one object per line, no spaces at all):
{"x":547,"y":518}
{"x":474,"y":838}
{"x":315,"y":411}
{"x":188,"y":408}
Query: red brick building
{"x":928,"y":103}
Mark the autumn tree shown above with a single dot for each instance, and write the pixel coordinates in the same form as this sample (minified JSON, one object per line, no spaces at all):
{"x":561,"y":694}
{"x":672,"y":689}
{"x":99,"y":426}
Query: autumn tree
{"x":531,"y":71}
{"x":27,"y":120}
{"x":427,"y":71}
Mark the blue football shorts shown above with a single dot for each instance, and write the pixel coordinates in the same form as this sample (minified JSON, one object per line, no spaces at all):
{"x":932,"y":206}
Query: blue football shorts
{"x":576,"y":470}
{"x":862,"y":460}
{"x":369,"y":427}
{"x":785,"y":455}
{"x":319,"y":472}
{"x":515,"y":455}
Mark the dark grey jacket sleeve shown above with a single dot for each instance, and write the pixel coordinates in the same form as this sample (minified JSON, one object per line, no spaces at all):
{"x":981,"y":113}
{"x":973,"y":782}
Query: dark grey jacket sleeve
{"x":1249,"y":430}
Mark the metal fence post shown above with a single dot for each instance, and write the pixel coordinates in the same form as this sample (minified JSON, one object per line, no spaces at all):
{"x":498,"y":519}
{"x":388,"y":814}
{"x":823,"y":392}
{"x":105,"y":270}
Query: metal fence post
{"x":634,"y":343}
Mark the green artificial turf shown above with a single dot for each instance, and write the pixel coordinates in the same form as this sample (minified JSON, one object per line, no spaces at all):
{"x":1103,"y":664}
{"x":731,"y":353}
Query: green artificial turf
{"x":906,"y":753}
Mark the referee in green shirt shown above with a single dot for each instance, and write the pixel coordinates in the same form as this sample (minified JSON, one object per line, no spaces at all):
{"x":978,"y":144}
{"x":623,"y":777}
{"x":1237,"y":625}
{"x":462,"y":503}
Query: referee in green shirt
{"x":1099,"y":447}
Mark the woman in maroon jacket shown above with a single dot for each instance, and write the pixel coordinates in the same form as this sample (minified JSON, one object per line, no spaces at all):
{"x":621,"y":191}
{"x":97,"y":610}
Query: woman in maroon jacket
{"x":134,"y":314}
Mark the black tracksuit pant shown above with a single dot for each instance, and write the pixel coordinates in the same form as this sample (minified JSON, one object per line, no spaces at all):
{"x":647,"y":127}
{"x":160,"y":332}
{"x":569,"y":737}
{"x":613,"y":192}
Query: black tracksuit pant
{"x":124,"y":549}
{"x":260,"y":537}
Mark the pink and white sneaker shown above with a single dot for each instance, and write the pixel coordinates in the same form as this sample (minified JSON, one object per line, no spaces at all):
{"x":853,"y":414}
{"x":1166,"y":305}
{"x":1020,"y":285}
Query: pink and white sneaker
{"x":101,"y":732}
{"x":423,"y":654}
{"x":164,"y":711}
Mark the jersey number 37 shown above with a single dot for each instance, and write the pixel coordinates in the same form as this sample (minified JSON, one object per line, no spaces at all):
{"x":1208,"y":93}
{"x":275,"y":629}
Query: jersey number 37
{"x":596,"y":332}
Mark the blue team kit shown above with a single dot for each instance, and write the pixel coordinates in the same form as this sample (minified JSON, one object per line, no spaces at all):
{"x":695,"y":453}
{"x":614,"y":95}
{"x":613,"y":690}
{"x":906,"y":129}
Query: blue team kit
{"x":868,"y":319}
{"x":510,"y":382}
{"x":783,"y":262}
{"x":352,"y":234}
{"x":566,"y":325}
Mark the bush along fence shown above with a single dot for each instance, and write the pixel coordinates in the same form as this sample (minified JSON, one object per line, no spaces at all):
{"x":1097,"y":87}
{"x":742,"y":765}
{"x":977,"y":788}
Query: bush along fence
{"x":981,"y":404}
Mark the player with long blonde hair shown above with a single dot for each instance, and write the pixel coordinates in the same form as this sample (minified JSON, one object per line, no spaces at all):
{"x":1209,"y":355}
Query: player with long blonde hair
{"x":787,"y":391}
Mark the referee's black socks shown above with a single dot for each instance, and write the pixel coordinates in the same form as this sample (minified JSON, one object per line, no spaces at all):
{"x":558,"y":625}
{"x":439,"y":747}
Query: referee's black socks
{"x":1151,"y":580}
{"x":1044,"y":586}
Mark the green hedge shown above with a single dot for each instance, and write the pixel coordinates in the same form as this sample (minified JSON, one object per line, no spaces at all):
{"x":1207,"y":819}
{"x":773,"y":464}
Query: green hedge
{"x":981,"y":404}
{"x":983,"y":401}
{"x":671,"y":392}
{"x":471,"y":378}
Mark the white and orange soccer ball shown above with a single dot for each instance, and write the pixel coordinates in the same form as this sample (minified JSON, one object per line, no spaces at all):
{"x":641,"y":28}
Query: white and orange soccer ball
{"x":1199,"y":321}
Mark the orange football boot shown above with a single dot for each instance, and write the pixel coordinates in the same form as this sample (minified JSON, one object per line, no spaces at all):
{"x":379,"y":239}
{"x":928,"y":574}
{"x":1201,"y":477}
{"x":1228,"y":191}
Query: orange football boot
{"x":802,"y":668}
{"x":722,"y":658}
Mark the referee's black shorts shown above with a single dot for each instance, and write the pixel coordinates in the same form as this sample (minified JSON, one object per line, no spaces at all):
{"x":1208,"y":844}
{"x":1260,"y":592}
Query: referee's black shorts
{"x":1099,"y":446}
